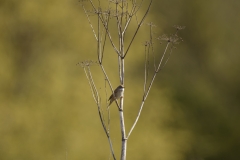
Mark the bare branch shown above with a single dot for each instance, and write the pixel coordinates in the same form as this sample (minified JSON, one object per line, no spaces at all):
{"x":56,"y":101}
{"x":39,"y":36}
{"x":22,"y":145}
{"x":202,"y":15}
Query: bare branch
{"x":96,"y":97}
{"x":129,"y":19}
{"x":85,"y":11}
{"x":152,"y":43}
{"x":106,"y":27}
{"x":91,"y":88}
{"x":173,"y":39}
{"x":139,"y":25}
{"x":146,"y":67}
{"x":147,"y":92}
{"x":106,"y":131}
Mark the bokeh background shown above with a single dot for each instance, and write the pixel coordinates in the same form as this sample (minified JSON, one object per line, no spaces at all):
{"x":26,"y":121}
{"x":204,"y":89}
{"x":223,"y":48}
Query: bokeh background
{"x":46,"y":107}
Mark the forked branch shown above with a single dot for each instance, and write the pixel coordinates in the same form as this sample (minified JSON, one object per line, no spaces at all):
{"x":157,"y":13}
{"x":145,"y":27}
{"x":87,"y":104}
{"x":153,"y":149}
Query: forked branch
{"x":86,"y":67}
{"x":171,"y":40}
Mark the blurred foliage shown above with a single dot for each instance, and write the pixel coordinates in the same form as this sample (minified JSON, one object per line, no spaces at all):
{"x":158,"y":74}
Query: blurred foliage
{"x":46,"y":107}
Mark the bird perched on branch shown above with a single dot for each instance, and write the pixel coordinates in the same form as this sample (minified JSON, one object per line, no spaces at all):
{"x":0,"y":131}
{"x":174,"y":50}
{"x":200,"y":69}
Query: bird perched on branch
{"x":118,"y":93}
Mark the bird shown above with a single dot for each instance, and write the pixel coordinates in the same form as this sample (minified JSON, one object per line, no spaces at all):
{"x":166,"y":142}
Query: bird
{"x":118,"y":93}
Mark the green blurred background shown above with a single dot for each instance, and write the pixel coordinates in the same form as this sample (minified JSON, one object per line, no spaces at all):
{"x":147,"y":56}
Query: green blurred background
{"x":46,"y":107}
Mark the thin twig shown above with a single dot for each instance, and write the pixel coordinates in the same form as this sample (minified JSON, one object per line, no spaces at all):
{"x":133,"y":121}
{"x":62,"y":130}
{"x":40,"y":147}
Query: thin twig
{"x":90,"y":85}
{"x":104,"y":41}
{"x":146,"y":67}
{"x":129,"y":19}
{"x":86,"y":67}
{"x":151,"y":43}
{"x":107,"y":29}
{"x":85,"y":11}
{"x":147,"y":92}
{"x":139,"y":25}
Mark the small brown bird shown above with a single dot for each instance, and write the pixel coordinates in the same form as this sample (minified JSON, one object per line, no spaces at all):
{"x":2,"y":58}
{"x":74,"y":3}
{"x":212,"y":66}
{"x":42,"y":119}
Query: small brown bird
{"x":118,"y":93}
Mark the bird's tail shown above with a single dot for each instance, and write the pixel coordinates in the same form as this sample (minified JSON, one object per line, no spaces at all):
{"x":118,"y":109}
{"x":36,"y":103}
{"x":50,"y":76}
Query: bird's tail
{"x":109,"y":104}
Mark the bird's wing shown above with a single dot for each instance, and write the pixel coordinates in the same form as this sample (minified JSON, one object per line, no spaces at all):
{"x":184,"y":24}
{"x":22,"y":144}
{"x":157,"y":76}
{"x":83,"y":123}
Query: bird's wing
{"x":115,"y":91}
